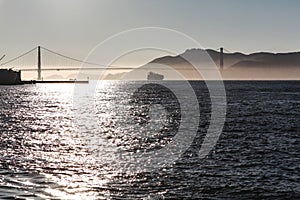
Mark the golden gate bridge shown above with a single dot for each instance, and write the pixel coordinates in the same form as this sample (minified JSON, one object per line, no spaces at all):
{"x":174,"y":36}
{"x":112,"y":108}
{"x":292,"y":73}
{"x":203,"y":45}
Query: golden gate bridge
{"x":43,"y":59}
{"x":51,"y":62}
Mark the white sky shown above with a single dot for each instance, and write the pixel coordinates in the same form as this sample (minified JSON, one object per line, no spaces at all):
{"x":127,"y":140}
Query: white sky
{"x":75,"y":27}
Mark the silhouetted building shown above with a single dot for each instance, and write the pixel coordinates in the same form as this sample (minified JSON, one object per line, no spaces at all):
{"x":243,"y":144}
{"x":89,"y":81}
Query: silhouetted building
{"x":10,"y":77}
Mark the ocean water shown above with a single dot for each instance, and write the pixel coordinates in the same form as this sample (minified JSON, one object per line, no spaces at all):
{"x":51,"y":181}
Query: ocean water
{"x":58,"y":145}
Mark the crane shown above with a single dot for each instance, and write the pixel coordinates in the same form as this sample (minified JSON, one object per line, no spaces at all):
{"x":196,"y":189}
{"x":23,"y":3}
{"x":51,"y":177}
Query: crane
{"x":2,"y":57}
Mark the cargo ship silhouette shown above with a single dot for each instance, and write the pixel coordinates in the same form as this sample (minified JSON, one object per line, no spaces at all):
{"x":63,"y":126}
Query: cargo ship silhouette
{"x":155,"y":76}
{"x":10,"y":77}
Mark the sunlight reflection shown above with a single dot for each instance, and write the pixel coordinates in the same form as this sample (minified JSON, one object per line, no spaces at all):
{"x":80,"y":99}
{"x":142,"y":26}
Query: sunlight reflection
{"x":67,"y":162}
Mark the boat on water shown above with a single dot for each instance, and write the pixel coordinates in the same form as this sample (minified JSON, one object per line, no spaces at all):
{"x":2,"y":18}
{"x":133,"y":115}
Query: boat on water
{"x":155,"y":76}
{"x":10,"y":77}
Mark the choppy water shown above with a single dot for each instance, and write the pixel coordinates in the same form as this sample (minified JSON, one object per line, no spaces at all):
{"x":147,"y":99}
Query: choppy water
{"x":43,"y":155}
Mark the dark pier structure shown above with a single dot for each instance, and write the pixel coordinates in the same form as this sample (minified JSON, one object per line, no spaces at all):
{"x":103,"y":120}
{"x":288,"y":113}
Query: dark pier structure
{"x":10,"y":77}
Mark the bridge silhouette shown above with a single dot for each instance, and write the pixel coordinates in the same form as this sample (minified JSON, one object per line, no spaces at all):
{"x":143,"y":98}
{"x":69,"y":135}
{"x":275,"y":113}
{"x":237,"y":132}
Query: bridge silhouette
{"x":36,"y":60}
{"x":43,"y":59}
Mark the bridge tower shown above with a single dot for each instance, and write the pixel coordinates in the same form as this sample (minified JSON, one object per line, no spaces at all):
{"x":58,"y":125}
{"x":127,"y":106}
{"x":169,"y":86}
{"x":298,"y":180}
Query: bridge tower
{"x":221,"y":58}
{"x":39,"y":64}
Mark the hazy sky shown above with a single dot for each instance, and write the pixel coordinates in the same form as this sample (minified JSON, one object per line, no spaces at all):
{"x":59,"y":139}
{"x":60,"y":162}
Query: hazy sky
{"x":74,"y":27}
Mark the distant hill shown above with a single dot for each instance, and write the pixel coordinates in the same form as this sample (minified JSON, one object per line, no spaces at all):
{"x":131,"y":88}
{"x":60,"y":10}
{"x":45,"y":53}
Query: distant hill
{"x":262,"y":59}
{"x":55,"y":77}
{"x":237,"y":66}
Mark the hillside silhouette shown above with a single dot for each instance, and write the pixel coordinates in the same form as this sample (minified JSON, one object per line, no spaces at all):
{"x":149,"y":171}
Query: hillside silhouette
{"x":237,"y":66}
{"x":237,"y":59}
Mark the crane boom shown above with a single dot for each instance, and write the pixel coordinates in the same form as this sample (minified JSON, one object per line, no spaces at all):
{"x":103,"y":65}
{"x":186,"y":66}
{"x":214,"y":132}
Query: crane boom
{"x":2,"y":57}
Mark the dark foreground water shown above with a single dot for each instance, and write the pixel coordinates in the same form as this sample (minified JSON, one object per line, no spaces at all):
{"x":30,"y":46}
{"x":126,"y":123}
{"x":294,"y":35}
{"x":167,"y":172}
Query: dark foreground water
{"x":47,"y":144}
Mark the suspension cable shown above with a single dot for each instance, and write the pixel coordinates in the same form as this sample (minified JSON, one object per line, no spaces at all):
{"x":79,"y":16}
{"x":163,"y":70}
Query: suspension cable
{"x":77,"y":60}
{"x":224,"y":50}
{"x":24,"y":54}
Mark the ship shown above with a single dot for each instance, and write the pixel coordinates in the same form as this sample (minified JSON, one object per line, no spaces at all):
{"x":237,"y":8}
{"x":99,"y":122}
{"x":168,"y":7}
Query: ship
{"x":155,"y":76}
{"x":10,"y":77}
